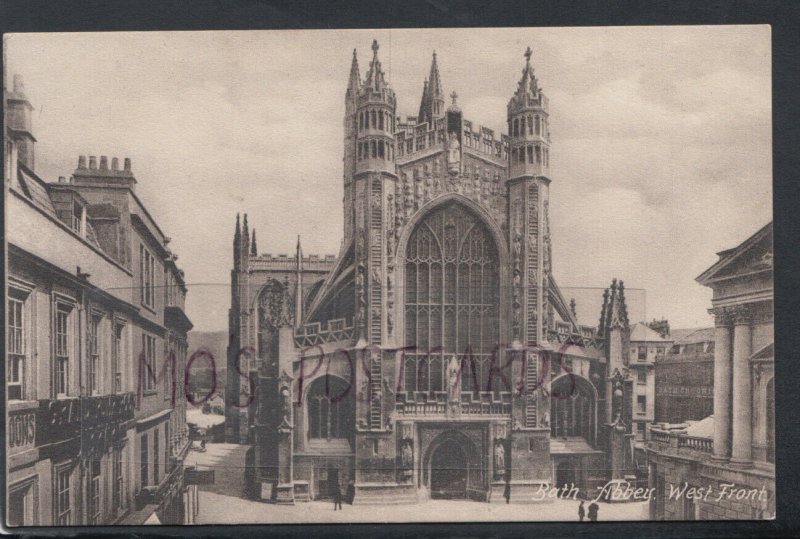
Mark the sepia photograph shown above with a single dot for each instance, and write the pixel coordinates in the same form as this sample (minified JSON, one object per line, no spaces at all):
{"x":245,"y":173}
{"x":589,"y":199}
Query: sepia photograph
{"x":389,"y":276}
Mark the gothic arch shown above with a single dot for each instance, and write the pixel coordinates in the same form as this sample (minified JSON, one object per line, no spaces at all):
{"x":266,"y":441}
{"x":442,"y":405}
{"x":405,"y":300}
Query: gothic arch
{"x":485,"y":220}
{"x":470,"y":462}
{"x":573,"y":407}
{"x":329,"y":409}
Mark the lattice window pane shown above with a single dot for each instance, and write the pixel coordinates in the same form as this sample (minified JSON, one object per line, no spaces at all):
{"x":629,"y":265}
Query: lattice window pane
{"x":452,"y":290}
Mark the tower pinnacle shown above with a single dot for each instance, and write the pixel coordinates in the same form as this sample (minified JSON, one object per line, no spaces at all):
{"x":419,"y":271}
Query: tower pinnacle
{"x":375,"y":77}
{"x":354,"y":82}
{"x":432,"y":103}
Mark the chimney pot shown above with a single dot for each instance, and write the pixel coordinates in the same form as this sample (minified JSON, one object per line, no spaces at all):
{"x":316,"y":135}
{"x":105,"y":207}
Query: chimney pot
{"x":103,"y":162}
{"x":127,"y":163}
{"x":114,"y":163}
{"x":92,"y":162}
{"x":82,"y":161}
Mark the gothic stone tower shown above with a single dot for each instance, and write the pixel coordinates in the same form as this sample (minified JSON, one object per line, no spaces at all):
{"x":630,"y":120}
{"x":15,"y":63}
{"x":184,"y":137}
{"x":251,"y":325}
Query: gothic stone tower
{"x":436,"y":356}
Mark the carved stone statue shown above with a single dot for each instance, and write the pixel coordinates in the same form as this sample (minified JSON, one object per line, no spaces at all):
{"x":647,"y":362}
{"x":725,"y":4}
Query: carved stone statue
{"x":453,"y":154}
{"x":499,"y":458}
{"x":407,"y":455}
{"x":453,"y":379}
{"x":286,"y":406}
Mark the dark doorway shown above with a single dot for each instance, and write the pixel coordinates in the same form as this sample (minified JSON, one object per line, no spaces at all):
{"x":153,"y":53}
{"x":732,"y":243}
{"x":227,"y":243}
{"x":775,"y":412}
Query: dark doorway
{"x":565,"y":475}
{"x":449,"y":471}
{"x":329,"y":479}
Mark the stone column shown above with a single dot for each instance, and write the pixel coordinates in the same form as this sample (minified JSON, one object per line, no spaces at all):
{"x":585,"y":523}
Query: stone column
{"x":742,"y":397}
{"x":722,"y":384}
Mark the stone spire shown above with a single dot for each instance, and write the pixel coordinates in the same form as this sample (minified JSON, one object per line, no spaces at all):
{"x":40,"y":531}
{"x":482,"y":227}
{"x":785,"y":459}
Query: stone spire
{"x":615,"y":310}
{"x":423,"y":101}
{"x":299,"y":254}
{"x":245,"y":249}
{"x":375,"y":77}
{"x":432,"y":103}
{"x":354,"y":83}
{"x":298,"y":292}
{"x":237,"y":243}
{"x":528,"y":91}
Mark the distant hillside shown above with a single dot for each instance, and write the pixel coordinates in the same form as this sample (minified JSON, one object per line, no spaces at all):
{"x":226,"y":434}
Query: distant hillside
{"x":217,"y":343}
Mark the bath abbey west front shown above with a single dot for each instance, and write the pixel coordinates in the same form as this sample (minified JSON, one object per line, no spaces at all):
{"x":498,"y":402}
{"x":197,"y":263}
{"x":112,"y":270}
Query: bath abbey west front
{"x":435,"y":356}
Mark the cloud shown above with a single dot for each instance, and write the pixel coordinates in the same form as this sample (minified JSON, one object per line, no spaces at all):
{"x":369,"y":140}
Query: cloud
{"x":661,"y":138}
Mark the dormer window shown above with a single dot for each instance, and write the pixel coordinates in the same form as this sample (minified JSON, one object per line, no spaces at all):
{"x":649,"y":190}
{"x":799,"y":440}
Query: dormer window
{"x":77,"y":218}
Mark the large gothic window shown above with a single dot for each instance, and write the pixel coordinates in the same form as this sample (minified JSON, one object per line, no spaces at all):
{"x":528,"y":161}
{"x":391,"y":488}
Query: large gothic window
{"x":451,"y":302}
{"x":330,"y":409}
{"x":572,"y":408}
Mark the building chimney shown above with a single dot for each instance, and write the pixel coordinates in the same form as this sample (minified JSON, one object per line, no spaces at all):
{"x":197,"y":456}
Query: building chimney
{"x":81,"y":162}
{"x":92,"y":162}
{"x":62,"y":179}
{"x":114,"y":163}
{"x":103,"y":162}
{"x":128,"y":163}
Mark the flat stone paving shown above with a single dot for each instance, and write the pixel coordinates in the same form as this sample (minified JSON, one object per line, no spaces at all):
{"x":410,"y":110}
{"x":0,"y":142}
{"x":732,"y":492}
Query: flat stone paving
{"x":221,"y":503}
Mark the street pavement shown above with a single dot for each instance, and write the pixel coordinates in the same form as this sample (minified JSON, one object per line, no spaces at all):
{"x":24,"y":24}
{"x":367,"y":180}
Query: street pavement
{"x":221,"y":503}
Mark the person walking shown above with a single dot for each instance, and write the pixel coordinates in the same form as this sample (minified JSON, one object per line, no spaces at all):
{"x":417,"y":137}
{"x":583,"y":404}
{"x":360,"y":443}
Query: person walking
{"x":337,"y":496}
{"x":593,"y":507}
{"x":581,"y":512}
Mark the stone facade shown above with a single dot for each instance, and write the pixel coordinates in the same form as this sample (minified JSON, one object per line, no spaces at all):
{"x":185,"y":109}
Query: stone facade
{"x":684,"y":379}
{"x":96,"y":422}
{"x":435,"y":355}
{"x":742,"y":451}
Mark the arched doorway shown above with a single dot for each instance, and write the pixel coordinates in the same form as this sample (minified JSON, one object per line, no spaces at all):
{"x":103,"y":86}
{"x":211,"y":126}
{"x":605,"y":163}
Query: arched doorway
{"x":449,"y":471}
{"x":453,"y":467}
{"x":565,"y":475}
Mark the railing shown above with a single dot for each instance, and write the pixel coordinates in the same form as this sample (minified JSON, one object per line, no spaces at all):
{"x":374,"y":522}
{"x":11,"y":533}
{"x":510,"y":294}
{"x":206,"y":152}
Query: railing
{"x":696,"y":443}
{"x":61,"y":419}
{"x":314,"y":334}
{"x":162,"y":493}
{"x":436,"y":403}
{"x":680,"y":441}
{"x":659,"y":436}
{"x":689,"y":356}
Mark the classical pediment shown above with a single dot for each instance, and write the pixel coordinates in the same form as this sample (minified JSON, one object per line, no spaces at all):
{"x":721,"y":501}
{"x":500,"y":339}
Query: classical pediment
{"x":754,"y":255}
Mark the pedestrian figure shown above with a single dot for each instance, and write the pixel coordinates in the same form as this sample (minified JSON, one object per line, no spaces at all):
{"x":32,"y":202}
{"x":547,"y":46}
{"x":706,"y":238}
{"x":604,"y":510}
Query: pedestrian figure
{"x":351,"y":492}
{"x":593,"y":507}
{"x":507,"y":491}
{"x":337,"y":496}
{"x":581,"y":512}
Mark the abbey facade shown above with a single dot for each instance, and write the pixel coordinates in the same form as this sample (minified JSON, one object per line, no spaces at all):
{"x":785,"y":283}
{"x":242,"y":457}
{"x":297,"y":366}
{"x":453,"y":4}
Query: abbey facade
{"x":435,"y":355}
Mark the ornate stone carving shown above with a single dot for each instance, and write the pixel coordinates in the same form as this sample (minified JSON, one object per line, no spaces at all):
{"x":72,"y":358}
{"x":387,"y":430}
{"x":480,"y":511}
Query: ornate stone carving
{"x":499,"y":459}
{"x":454,"y":379}
{"x":286,"y":402}
{"x":361,"y":301}
{"x":722,"y":316}
{"x":407,"y":455}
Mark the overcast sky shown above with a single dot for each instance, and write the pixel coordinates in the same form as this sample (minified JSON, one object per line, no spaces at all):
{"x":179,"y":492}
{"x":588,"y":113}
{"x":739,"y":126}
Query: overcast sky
{"x":661,"y":139}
